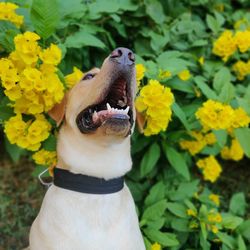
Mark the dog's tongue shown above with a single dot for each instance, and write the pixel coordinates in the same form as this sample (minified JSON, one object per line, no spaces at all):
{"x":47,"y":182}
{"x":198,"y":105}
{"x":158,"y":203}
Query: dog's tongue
{"x":103,"y":115}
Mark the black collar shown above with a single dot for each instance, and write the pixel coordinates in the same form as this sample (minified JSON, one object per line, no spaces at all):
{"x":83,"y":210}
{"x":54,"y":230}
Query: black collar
{"x":86,"y":184}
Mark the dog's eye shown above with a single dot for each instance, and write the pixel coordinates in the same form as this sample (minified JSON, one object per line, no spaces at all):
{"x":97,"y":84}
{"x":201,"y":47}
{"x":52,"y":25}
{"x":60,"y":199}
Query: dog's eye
{"x":88,"y":76}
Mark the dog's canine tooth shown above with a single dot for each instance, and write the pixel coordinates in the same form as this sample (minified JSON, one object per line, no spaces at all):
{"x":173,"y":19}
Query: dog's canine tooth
{"x":126,"y":110}
{"x":95,"y":116}
{"x":108,"y":107}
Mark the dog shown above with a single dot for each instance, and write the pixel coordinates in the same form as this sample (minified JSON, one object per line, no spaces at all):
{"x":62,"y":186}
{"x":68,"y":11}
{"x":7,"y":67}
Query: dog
{"x":97,"y":118}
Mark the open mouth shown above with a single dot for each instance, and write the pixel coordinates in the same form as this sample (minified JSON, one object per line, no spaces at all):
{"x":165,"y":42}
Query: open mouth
{"x":115,"y":107}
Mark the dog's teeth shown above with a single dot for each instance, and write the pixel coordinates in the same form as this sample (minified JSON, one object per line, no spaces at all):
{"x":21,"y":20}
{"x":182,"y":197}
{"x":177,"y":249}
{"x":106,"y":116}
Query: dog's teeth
{"x":126,"y":110}
{"x":95,"y":116}
{"x":108,"y":107}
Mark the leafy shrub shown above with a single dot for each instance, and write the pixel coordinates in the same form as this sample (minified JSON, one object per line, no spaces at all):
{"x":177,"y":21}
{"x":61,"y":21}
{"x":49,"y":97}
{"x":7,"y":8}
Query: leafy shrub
{"x":192,"y":63}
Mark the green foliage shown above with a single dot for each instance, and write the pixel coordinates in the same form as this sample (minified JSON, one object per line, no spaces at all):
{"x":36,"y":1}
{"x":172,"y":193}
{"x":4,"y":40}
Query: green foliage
{"x":45,"y":16}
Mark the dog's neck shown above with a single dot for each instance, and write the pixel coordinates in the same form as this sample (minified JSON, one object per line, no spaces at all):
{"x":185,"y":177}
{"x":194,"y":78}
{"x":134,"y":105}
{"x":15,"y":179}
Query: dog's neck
{"x":93,"y":157}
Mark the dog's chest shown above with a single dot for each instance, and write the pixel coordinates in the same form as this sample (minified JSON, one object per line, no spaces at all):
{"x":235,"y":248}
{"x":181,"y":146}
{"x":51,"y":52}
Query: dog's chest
{"x":88,"y":221}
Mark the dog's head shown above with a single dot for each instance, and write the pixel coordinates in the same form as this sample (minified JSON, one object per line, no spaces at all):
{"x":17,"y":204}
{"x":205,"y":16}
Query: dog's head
{"x":102,"y":103}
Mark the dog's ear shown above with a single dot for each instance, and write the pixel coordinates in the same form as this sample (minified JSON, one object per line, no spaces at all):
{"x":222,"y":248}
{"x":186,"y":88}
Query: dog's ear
{"x":57,"y":113}
{"x":141,"y":121}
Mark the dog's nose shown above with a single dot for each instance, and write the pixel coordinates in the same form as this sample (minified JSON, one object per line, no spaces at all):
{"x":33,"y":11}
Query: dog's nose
{"x":123,"y":56}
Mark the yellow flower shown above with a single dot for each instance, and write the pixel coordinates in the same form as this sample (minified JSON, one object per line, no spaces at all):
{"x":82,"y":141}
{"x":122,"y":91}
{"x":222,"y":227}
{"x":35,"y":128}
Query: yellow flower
{"x":241,"y":118}
{"x":214,"y":198}
{"x":17,"y":61}
{"x":242,"y":39}
{"x":215,"y":115}
{"x":241,"y":23}
{"x":14,"y":93}
{"x":184,"y":75}
{"x":219,"y":7}
{"x":51,"y":55}
{"x":27,"y":47}
{"x":191,"y":212}
{"x":197,"y":92}
{"x":155,"y":102}
{"x":235,"y":152}
{"x":44,"y":157}
{"x":156,"y":246}
{"x":214,"y":217}
{"x":193,"y":225}
{"x":74,"y":77}
{"x":10,"y":78}
{"x":201,"y":60}
{"x":242,"y":69}
{"x":195,"y":146}
{"x":210,"y":167}
{"x":214,"y":229}
{"x":210,"y":138}
{"x":8,"y":74}
{"x":140,"y":71}
{"x":164,"y":74}
{"x":7,"y":12}
{"x":28,"y":135}
{"x":225,"y":45}
{"x":15,"y":128}
{"x":5,"y":65}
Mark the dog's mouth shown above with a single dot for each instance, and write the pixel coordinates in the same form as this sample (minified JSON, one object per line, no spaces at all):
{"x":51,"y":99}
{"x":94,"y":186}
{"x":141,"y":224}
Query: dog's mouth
{"x":114,"y":110}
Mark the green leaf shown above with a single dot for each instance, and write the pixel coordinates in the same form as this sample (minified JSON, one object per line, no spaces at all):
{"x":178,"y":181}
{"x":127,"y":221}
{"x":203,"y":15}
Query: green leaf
{"x":155,"y":10}
{"x":174,"y":65}
{"x":181,"y":225}
{"x":13,"y":150}
{"x":244,"y":103}
{"x":206,"y":90}
{"x":203,"y":238}
{"x":178,"y":84}
{"x":38,"y":170}
{"x":156,"y":224}
{"x":222,"y":77}
{"x":227,"y":93}
{"x":50,"y":143}
{"x":45,"y":16}
{"x":185,"y":190}
{"x":7,"y":40}
{"x":227,"y":240}
{"x":199,"y":43}
{"x":82,"y":38}
{"x":156,"y":193}
{"x":238,"y":204}
{"x":158,"y":42}
{"x":213,"y":24}
{"x":203,"y":232}
{"x":222,"y":85}
{"x":177,"y":161}
{"x":221,"y":136}
{"x":230,"y":221}
{"x":244,"y":229}
{"x":177,"y":209}
{"x":150,"y":159}
{"x":5,"y":113}
{"x":155,"y":211}
{"x":241,"y":243}
{"x":165,"y":239}
{"x":181,"y":115}
{"x":147,"y":243}
{"x":211,"y":150}
{"x":243,"y":136}
{"x":74,"y":8}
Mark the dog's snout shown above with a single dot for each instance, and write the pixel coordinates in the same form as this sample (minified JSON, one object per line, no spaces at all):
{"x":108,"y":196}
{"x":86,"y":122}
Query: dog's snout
{"x":123,"y":56}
